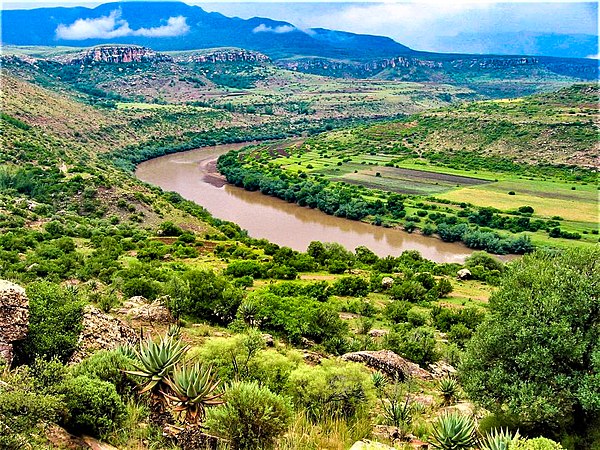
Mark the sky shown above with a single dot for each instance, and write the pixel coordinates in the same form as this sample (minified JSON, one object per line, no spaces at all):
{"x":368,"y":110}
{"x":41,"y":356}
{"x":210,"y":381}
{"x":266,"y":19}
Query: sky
{"x":418,"y":24}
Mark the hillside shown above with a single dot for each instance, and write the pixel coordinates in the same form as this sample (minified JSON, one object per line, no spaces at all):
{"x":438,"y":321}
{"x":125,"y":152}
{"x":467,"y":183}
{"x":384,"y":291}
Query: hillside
{"x":131,"y":299}
{"x":525,"y":168}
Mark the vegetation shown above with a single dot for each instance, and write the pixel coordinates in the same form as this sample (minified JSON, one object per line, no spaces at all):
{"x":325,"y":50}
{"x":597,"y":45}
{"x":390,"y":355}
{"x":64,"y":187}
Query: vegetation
{"x":77,"y":230}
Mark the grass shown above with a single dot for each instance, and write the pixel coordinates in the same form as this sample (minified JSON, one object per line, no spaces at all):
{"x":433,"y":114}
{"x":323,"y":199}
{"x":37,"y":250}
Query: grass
{"x":548,"y":198}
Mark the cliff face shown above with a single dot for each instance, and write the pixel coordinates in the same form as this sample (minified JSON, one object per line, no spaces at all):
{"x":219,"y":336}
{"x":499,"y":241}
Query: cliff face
{"x":406,"y":63}
{"x":221,"y":56}
{"x":117,"y":55}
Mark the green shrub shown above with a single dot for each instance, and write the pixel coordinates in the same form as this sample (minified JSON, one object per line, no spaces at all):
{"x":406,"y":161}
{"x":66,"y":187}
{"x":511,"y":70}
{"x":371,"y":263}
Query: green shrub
{"x":21,"y":411}
{"x":353,"y":286}
{"x":252,"y":417}
{"x":107,"y":365}
{"x":55,"y":316}
{"x":332,"y":389}
{"x":453,"y":431}
{"x":94,"y":405}
{"x":415,"y":344}
{"x":539,"y":443}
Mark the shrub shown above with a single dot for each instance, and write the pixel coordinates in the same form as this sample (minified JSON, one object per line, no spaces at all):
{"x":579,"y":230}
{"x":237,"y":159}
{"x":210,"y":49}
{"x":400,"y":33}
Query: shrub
{"x":353,"y":286}
{"x":332,"y":389}
{"x":398,"y":311}
{"x":55,"y":316}
{"x":415,"y":344}
{"x":252,"y":416}
{"x":94,"y":405}
{"x":410,"y":291}
{"x":539,"y":443}
{"x":107,"y":365}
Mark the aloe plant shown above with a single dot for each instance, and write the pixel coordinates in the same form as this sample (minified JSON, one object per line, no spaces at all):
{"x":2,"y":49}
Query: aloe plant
{"x":193,"y":389}
{"x":498,"y":439}
{"x":453,"y":431}
{"x":449,"y":388}
{"x":156,"y":360}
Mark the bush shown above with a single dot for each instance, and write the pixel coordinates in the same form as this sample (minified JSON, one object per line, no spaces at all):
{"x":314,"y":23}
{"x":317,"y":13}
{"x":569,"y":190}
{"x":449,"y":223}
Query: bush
{"x":415,"y":344}
{"x":397,"y":311}
{"x":107,"y":365}
{"x":410,"y":291}
{"x":539,"y":443}
{"x":332,"y":389}
{"x":352,"y":286}
{"x":252,"y":416}
{"x":94,"y":405}
{"x":55,"y":321}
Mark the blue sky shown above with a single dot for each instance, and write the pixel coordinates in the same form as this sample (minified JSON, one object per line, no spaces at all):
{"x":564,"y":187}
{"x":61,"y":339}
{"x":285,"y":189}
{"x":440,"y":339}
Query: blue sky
{"x":417,"y":24}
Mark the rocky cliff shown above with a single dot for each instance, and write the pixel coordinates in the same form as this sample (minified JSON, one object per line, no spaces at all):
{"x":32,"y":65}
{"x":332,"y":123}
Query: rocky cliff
{"x":221,"y":56}
{"x":14,"y":317}
{"x":116,"y":54}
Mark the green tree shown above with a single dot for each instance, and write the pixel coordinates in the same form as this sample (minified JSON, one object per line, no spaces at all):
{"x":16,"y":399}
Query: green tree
{"x":536,"y":357}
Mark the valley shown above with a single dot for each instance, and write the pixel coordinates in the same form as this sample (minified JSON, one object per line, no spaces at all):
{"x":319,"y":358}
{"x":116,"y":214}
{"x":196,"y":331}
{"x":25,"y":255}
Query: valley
{"x":284,"y":239}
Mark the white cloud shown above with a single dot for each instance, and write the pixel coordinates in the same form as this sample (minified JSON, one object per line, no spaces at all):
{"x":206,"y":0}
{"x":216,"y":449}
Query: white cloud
{"x":262,"y":28}
{"x":113,"y":26}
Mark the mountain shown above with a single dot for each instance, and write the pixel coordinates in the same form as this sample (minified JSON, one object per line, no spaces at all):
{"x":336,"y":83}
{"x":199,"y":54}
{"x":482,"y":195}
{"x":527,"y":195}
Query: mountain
{"x":522,"y":43}
{"x":167,"y":26}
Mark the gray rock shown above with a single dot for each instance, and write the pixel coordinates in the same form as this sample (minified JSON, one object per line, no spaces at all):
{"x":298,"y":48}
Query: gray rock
{"x":463,"y":274}
{"x":14,"y":317}
{"x":389,"y":363}
{"x":387,"y":282}
{"x":101,"y":332}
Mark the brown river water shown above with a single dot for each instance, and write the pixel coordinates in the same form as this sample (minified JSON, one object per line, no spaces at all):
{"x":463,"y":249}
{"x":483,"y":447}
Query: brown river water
{"x":193,"y":174}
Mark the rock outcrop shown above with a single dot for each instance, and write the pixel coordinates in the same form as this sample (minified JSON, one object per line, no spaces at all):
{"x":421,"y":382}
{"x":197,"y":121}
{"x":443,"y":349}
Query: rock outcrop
{"x":389,"y":363}
{"x":116,"y":54}
{"x":14,"y":317}
{"x":101,"y":332}
{"x":138,"y":308}
{"x":220,"y":56}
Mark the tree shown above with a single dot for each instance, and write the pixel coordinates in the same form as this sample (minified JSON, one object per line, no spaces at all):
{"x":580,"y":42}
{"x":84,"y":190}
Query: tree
{"x":536,"y":357}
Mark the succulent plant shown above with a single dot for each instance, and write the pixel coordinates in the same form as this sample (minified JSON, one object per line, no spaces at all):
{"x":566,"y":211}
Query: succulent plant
{"x":449,"y":388}
{"x":380,"y":381}
{"x":156,"y":360}
{"x":498,"y":439}
{"x":453,"y":431}
{"x":193,"y":389}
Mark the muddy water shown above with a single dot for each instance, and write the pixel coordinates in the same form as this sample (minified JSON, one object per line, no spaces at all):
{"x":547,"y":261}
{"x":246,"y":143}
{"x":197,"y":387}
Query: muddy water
{"x":193,"y":175}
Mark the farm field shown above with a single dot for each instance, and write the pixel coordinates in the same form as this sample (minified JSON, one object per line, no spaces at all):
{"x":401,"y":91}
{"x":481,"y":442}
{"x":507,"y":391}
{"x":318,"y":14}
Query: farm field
{"x":486,"y":185}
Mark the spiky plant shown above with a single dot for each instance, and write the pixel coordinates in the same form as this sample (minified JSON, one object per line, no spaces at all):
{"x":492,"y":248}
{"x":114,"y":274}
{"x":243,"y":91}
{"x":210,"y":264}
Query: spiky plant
{"x":156,"y":360}
{"x":449,"y":388}
{"x":453,"y":431}
{"x":174,"y":331}
{"x":380,"y":381}
{"x":194,"y":388}
{"x":498,"y":439}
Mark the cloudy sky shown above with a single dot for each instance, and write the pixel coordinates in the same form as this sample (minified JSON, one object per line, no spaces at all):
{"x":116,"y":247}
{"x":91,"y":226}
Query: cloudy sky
{"x":418,"y":24}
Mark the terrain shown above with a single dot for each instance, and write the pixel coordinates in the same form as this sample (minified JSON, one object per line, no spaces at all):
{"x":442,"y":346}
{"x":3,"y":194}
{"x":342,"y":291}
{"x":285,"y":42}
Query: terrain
{"x":146,"y":323}
{"x":527,"y":167}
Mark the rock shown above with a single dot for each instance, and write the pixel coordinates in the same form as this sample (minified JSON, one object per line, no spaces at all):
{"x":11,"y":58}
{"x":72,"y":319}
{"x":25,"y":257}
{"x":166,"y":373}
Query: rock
{"x":14,"y":317}
{"x":269,"y":342}
{"x":101,"y":332}
{"x":138,"y":308}
{"x":193,"y":438}
{"x":441,"y":370}
{"x":95,"y":444}
{"x":463,"y":274}
{"x":389,"y":363}
{"x":378,"y":333}
{"x":387,"y":282}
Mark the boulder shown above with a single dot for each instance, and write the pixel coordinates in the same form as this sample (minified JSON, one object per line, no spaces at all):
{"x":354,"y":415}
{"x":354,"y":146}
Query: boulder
{"x":387,"y":282}
{"x":101,"y":332}
{"x":139,"y":308}
{"x":376,"y":333}
{"x":389,"y":363}
{"x":369,"y":445}
{"x":268,"y":339}
{"x":441,"y":370}
{"x":463,"y":274}
{"x":14,"y":317}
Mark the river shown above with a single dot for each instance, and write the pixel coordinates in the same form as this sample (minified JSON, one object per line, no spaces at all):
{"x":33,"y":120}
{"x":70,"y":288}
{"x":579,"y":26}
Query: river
{"x":193,"y":174}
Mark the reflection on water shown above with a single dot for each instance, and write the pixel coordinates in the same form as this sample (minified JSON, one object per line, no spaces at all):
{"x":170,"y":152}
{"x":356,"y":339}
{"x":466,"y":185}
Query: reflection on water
{"x":192,"y":174}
